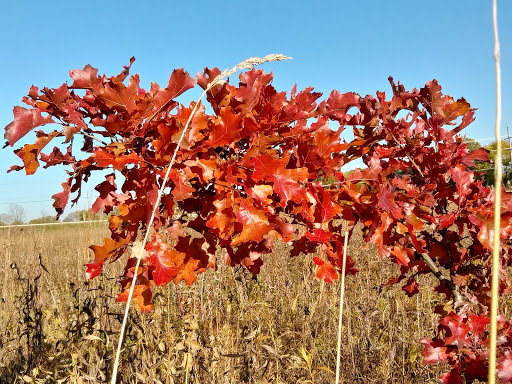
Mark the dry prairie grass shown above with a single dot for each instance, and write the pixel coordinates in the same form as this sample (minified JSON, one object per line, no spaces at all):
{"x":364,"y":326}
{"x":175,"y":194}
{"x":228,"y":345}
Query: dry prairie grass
{"x":230,"y":327}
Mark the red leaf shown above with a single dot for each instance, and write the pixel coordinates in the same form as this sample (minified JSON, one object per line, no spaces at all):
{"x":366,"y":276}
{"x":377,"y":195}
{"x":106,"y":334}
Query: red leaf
{"x":462,"y":179}
{"x":251,"y":86}
{"x":29,"y":153}
{"x":505,"y":367}
{"x":327,"y":208}
{"x":456,"y":331}
{"x":142,"y":291}
{"x":179,"y":82}
{"x":119,"y":97}
{"x":24,"y":121}
{"x":255,"y":223}
{"x":174,"y":230}
{"x":480,"y":154}
{"x":387,"y":202}
{"x":181,"y":189}
{"x":111,"y":249}
{"x":84,"y":78}
{"x":108,"y":197}
{"x":165,"y":261}
{"x":118,"y":161}
{"x":438,"y":252}
{"x":452,"y":377}
{"x":478,"y":327}
{"x":199,"y":254}
{"x":163,"y":99}
{"x":319,"y":236}
{"x":286,"y":181}
{"x":325,"y":271}
{"x":400,"y":256}
{"x":411,"y":287}
{"x":56,"y":157}
{"x":338,"y":104}
{"x":446,"y":220}
{"x":223,"y":217}
{"x":61,"y":198}
{"x":433,"y":351}
{"x":226,"y":129}
{"x":286,"y":184}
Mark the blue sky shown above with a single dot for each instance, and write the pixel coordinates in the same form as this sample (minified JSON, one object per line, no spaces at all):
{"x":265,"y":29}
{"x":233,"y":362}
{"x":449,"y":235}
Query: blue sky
{"x":348,"y":46}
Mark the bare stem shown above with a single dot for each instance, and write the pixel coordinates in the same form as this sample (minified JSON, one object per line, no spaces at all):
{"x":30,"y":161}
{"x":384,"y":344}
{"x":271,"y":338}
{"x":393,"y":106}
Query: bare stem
{"x":497,"y":205}
{"x":340,"y":320}
{"x":446,"y":281}
{"x":94,"y":138}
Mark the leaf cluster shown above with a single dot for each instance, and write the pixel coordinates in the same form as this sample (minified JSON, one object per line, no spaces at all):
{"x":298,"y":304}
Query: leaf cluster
{"x":266,"y":166}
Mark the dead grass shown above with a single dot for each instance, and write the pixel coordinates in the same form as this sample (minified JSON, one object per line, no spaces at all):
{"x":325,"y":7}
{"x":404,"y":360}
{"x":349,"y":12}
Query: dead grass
{"x":230,"y":327}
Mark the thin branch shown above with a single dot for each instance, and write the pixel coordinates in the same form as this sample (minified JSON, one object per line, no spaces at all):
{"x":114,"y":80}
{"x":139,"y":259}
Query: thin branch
{"x":446,"y":281}
{"x":410,"y":158}
{"x":93,"y":137}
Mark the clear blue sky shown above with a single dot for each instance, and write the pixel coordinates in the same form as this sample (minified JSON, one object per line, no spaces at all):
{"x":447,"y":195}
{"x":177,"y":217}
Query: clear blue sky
{"x":348,"y":46}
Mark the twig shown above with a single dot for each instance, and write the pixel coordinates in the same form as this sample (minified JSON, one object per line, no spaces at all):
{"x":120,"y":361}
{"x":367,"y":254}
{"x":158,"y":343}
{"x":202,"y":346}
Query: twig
{"x":410,"y":158}
{"x":244,"y":65}
{"x":498,"y":172}
{"x":437,"y":273}
{"x":94,"y":138}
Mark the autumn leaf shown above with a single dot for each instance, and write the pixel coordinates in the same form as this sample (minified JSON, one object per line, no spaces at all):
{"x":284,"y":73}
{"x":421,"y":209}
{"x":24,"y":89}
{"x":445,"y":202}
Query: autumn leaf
{"x":103,"y":159}
{"x":61,"y":198}
{"x":84,"y":78}
{"x":504,"y":369}
{"x":433,"y":351}
{"x":400,"y":255}
{"x":325,"y":271}
{"x":255,"y":223}
{"x":110,"y":249}
{"x":142,"y":292}
{"x":462,"y":179}
{"x":29,"y":153}
{"x":387,"y":202}
{"x":56,"y":157}
{"x":108,"y":197}
{"x":226,"y":129}
{"x":222,"y":219}
{"x":457,"y":330}
{"x":411,"y":287}
{"x":319,"y":236}
{"x":25,"y":120}
{"x":181,"y":189}
{"x":165,"y":261}
{"x":251,"y":86}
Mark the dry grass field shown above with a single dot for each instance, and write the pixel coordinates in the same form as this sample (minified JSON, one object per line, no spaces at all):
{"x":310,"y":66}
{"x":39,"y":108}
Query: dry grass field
{"x":230,"y":327}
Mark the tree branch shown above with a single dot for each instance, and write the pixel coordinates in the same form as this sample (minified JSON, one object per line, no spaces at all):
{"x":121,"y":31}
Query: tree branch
{"x":437,"y":273}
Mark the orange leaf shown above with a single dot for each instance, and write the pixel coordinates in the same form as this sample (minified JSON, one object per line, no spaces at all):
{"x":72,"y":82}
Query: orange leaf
{"x":255,"y":223}
{"x":325,"y":271}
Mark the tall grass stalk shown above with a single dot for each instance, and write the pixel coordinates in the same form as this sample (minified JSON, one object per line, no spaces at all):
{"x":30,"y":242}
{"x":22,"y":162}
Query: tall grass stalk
{"x":497,"y":203}
{"x":338,"y":352}
{"x":246,"y":64}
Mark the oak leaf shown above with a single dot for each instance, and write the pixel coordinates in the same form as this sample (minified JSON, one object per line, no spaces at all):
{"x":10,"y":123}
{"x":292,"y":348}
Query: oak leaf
{"x":165,"y":261}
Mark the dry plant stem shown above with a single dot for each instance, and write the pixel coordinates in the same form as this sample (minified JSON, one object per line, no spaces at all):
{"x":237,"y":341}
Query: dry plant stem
{"x":497,"y":204}
{"x":244,"y":65}
{"x":342,"y":294}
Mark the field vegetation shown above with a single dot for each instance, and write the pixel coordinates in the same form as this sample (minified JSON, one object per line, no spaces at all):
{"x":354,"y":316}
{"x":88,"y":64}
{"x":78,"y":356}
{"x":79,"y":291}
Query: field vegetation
{"x":230,"y":327}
